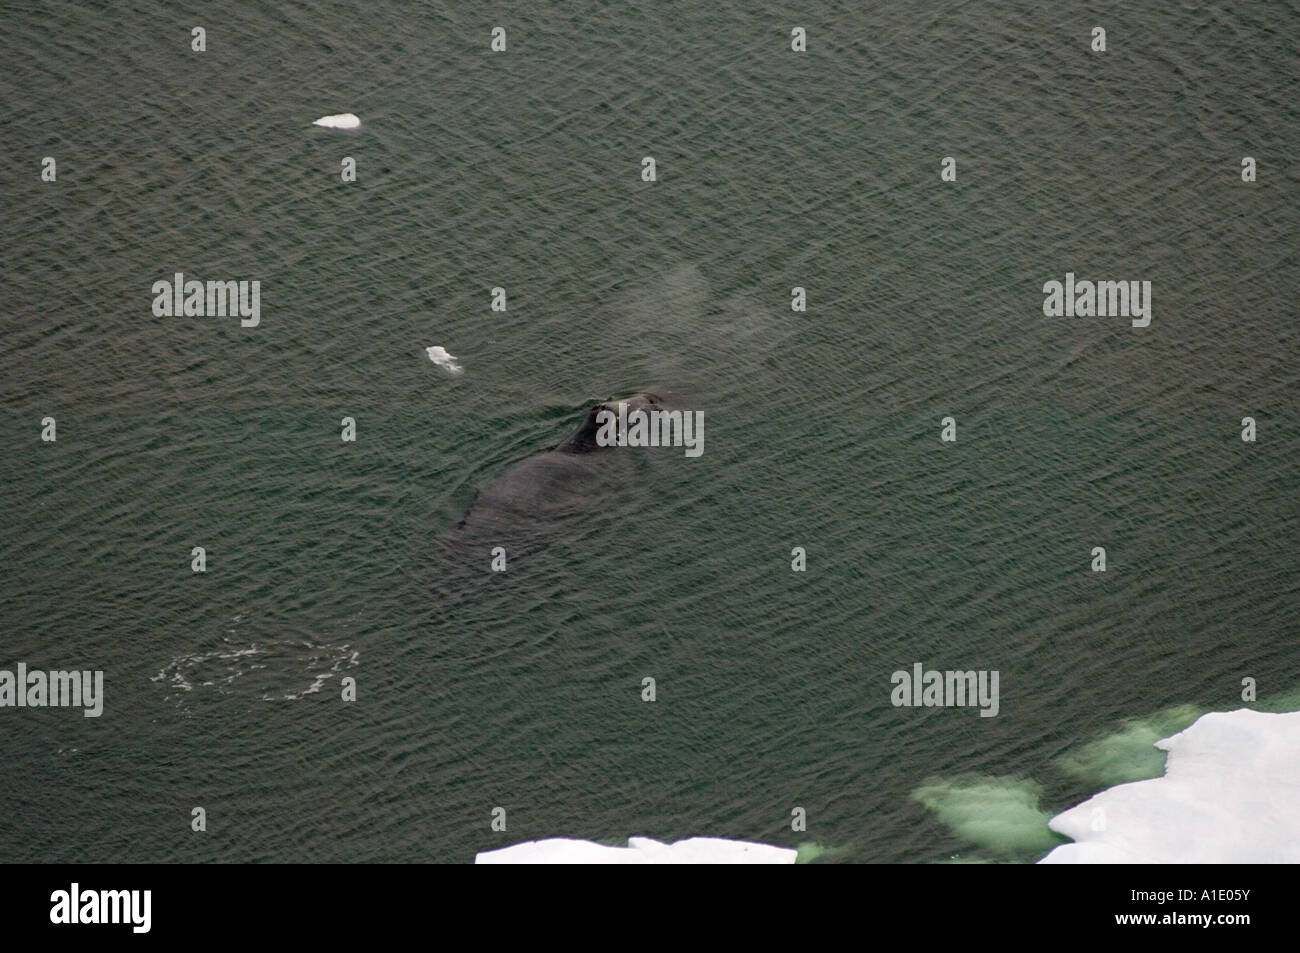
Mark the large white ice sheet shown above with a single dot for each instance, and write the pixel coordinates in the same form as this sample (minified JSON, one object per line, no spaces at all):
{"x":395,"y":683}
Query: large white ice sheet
{"x":639,"y":850}
{"x":1230,"y":794}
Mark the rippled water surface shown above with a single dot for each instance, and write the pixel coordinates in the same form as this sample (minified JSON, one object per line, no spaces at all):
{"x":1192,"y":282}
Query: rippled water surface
{"x":522,"y":171}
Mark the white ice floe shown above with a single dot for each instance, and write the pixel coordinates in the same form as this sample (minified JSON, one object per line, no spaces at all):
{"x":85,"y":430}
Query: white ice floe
{"x":1230,"y":794}
{"x":444,"y":360}
{"x":639,"y":850}
{"x":341,"y":121}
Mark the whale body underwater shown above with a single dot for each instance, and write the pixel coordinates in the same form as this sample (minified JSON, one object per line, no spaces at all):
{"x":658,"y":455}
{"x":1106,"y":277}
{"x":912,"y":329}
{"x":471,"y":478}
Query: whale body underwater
{"x":521,"y":510}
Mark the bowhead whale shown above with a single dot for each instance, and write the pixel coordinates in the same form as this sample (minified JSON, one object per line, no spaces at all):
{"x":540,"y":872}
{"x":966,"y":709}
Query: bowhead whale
{"x":520,"y":510}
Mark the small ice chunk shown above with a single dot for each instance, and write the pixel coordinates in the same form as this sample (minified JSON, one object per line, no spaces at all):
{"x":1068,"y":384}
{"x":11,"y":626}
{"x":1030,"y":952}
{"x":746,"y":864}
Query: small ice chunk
{"x":444,"y":360}
{"x":341,"y":121}
{"x":639,"y":850}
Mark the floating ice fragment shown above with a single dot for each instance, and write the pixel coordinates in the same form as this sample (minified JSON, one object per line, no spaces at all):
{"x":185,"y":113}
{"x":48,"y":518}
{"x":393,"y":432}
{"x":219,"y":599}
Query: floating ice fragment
{"x":341,"y":121}
{"x":444,"y":360}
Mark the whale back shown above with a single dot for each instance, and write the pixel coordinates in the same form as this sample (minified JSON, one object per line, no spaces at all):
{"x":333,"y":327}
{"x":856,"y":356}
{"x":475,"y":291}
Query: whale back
{"x":545,"y":496}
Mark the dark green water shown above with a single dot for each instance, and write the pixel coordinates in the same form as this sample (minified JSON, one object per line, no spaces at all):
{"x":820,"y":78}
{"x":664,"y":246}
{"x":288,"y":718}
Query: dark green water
{"x":521,"y":170}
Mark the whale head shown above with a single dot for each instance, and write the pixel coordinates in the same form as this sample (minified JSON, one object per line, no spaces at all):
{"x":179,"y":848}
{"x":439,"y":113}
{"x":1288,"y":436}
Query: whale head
{"x":646,"y":402}
{"x":583,"y":440}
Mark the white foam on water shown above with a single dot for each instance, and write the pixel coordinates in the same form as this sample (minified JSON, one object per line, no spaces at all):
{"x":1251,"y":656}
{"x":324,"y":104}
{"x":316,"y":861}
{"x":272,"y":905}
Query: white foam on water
{"x":341,"y":121}
{"x":311,"y":689}
{"x":444,"y":360}
{"x":639,"y":850}
{"x":1230,"y":794}
{"x":284,"y":663}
